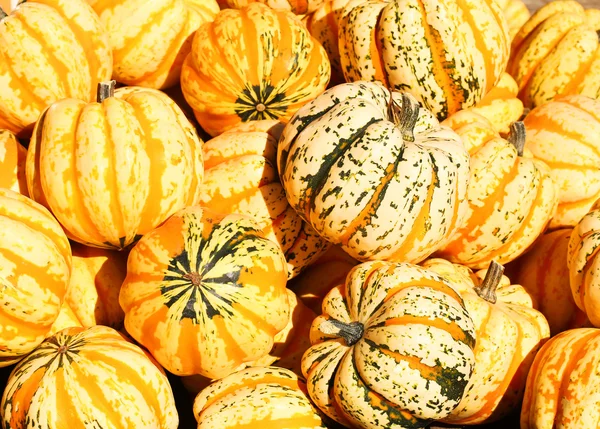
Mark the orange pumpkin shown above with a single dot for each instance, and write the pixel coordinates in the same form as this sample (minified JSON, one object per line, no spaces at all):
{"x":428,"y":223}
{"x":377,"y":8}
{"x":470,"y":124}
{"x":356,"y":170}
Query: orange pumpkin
{"x":249,"y":64}
{"x":112,"y":171}
{"x":49,"y":50}
{"x":12,"y":163}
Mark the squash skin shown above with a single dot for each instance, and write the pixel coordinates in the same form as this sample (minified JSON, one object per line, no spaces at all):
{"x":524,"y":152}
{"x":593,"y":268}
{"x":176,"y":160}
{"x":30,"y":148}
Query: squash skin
{"x":112,"y":171}
{"x":563,"y":134}
{"x":49,"y":50}
{"x":446,"y":53}
{"x":205,"y":292}
{"x":226,"y":84}
{"x":412,"y":321}
{"x":298,"y":7}
{"x":349,"y":194}
{"x":516,"y":14}
{"x":72,"y":376}
{"x":154,"y":58}
{"x":12,"y":163}
{"x":35,"y":267}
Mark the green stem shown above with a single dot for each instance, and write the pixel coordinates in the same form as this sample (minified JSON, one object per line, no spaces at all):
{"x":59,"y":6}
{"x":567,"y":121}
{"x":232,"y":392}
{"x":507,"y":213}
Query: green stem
{"x":350,"y":332}
{"x":517,"y":136}
{"x":105,"y":90}
{"x":493,"y":276}
{"x":406,"y":116}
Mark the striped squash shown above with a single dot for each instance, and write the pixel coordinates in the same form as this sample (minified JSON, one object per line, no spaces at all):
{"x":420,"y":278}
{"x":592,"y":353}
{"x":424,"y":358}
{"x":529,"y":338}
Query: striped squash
{"x":12,"y":163}
{"x":392,"y":349}
{"x":205,"y":292}
{"x":563,"y":383}
{"x":49,"y":50}
{"x":112,"y":171}
{"x":240,"y":176}
{"x":447,"y":53}
{"x":256,"y":398}
{"x":250,"y":64}
{"x":564,"y":134}
{"x":501,"y":106}
{"x":66,"y":319}
{"x":544,"y":272}
{"x":150,"y":39}
{"x":516,"y":14}
{"x":96,"y":279}
{"x":88,"y":377}
{"x":35,"y":266}
{"x":299,"y":7}
{"x":557,"y":53}
{"x":377,"y":175}
{"x":509,"y":334}
{"x":511,"y":195}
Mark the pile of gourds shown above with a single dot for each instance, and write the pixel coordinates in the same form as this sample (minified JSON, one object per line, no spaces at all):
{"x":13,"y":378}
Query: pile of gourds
{"x":318,"y":213}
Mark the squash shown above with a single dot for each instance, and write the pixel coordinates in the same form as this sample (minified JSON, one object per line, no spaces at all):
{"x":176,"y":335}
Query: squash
{"x":12,"y":163}
{"x":382,"y":179}
{"x":557,"y":53}
{"x":256,"y":397}
{"x":150,"y":40}
{"x":516,"y":14}
{"x":392,"y":349}
{"x":88,"y":377}
{"x":511,"y":195}
{"x":35,"y":266}
{"x":66,"y":319}
{"x":112,"y":171}
{"x":447,"y":54}
{"x":251,"y":64}
{"x":564,"y":134}
{"x":240,"y":176}
{"x":563,"y":382}
{"x":509,"y":332}
{"x":299,"y":7}
{"x":544,"y":272}
{"x":49,"y":50}
{"x":205,"y":292}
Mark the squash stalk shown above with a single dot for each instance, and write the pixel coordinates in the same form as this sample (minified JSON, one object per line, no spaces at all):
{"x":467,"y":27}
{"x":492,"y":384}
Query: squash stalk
{"x":405,"y":117}
{"x":105,"y":90}
{"x":517,"y":136}
{"x":350,"y":332}
{"x":3,"y":14}
{"x":487,"y":289}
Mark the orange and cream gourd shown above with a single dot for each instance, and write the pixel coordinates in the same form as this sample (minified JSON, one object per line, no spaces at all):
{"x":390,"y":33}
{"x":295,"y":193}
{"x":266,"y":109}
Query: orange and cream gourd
{"x":12,"y":163}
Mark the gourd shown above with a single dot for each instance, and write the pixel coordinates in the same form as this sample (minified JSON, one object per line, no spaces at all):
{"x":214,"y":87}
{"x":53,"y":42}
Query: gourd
{"x":516,"y":14}
{"x":12,"y":163}
{"x":299,"y":7}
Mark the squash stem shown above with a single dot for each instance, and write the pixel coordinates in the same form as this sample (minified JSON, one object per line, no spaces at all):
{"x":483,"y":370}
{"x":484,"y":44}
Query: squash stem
{"x":405,"y":117}
{"x":517,"y":136}
{"x":350,"y":332}
{"x":105,"y":90}
{"x":487,"y":289}
{"x":3,"y":14}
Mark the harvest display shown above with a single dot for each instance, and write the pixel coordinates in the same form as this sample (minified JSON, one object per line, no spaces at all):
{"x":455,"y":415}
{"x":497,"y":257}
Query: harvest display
{"x":286,"y":214}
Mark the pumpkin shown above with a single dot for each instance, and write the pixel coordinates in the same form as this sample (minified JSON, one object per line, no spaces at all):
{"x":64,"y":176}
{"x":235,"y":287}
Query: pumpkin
{"x":240,"y":176}
{"x":511,"y":196}
{"x":501,"y":106}
{"x":35,"y":266}
{"x":516,"y":14}
{"x":251,"y":64}
{"x":49,"y":50}
{"x":543,"y":271}
{"x":321,"y":276}
{"x":374,"y":172}
{"x":563,"y":383}
{"x":509,"y":332}
{"x":447,"y":54}
{"x":152,"y":58}
{"x":564,"y":134}
{"x":12,"y":163}
{"x":256,"y":397}
{"x":557,"y":53}
{"x":392,"y":349}
{"x":96,"y":279}
{"x":299,"y":7}
{"x":88,"y":377}
{"x":205,"y":292}
{"x":112,"y":171}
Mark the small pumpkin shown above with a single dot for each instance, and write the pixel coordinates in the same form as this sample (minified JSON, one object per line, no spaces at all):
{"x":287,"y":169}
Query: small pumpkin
{"x":299,"y":7}
{"x":563,"y":383}
{"x":12,"y":163}
{"x":49,"y":50}
{"x":373,"y":172}
{"x":557,"y":53}
{"x":35,"y":266}
{"x":250,"y":64}
{"x":564,"y":135}
{"x":152,"y":58}
{"x":88,"y":376}
{"x":256,"y":397}
{"x":113,"y":170}
{"x":205,"y":292}
{"x":516,"y":14}
{"x":393,"y":348}
{"x":447,"y":54}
